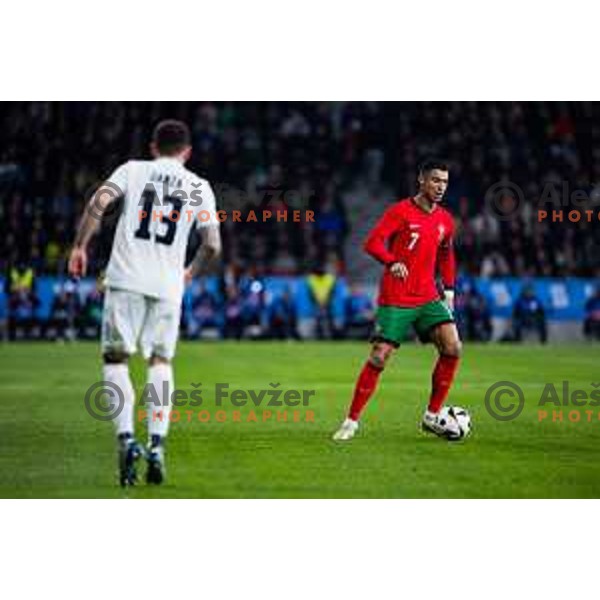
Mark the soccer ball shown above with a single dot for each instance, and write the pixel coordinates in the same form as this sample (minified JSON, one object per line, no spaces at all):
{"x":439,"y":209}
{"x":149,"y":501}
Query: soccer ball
{"x":457,"y":422}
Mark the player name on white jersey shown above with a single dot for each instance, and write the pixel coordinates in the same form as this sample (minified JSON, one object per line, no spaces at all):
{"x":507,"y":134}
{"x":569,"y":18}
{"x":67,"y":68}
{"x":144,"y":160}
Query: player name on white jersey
{"x":149,"y":247}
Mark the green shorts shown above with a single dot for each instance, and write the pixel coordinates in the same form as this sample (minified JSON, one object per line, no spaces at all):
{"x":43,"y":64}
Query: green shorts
{"x":392,"y":322}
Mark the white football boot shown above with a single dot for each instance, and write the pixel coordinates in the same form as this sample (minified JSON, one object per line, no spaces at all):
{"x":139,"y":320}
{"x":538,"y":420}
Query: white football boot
{"x":442,"y":424}
{"x":434,"y":423}
{"x":346,"y":431}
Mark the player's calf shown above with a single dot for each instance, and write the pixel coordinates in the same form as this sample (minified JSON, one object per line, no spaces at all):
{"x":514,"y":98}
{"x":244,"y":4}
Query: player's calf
{"x":449,"y":347}
{"x":160,"y":377}
{"x":365,"y":388}
{"x":118,"y":384}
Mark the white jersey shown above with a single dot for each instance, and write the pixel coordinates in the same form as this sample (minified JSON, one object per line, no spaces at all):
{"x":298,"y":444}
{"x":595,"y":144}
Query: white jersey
{"x":162,"y":201}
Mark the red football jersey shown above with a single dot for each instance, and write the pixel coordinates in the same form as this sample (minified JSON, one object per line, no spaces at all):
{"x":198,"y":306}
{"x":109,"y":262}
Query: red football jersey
{"x":422,"y":241}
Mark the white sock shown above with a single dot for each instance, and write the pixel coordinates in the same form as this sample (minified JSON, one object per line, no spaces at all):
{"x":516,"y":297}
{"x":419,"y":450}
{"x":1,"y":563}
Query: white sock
{"x":119,"y":375}
{"x":158,"y":416}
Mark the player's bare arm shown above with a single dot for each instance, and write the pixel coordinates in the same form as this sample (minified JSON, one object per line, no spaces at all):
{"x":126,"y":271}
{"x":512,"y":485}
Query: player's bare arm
{"x":88,"y":227}
{"x":209,"y":251}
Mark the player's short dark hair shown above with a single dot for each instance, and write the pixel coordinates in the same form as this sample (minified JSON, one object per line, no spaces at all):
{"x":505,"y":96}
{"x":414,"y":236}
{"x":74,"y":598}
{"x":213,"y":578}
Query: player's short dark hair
{"x":430,"y":164}
{"x":171,"y":136}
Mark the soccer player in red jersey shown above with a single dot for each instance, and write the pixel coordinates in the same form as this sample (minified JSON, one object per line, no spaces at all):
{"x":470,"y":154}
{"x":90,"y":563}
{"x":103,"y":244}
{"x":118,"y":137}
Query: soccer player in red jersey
{"x":413,"y":240}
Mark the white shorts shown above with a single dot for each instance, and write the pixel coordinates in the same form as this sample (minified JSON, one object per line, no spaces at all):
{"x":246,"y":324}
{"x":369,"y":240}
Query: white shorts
{"x":131,"y":319}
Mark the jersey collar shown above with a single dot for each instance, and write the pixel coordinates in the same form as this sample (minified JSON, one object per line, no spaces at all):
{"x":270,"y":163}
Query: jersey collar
{"x":168,"y":159}
{"x":417,"y":205}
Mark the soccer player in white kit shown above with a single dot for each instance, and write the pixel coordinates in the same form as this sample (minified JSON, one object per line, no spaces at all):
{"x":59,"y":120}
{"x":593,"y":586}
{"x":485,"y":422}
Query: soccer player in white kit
{"x":146,"y":276}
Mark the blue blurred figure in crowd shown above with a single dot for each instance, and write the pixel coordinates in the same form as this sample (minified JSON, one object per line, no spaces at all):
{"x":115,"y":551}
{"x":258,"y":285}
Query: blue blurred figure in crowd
{"x":591,"y":323}
{"x":90,"y":320}
{"x":473,"y":313}
{"x":22,"y":321}
{"x":529,"y":315}
{"x":321,"y":287}
{"x":204,"y":312}
{"x":65,"y":311}
{"x":253,"y":305}
{"x":358,"y":314}
{"x":234,"y":321}
{"x":282,"y":317}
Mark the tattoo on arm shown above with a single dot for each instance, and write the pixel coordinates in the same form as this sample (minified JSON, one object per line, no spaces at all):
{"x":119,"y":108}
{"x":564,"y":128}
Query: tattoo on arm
{"x":209,"y":250}
{"x":92,"y":216}
{"x":88,"y":226}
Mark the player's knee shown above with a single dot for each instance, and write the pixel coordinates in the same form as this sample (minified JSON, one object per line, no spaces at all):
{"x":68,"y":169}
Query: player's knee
{"x":158,"y":360}
{"x":380,"y":355}
{"x":377,"y":361}
{"x":115,"y":357}
{"x":452,"y":348}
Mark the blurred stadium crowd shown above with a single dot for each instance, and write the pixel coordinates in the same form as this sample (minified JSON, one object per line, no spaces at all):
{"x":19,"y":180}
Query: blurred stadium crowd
{"x":316,"y":155}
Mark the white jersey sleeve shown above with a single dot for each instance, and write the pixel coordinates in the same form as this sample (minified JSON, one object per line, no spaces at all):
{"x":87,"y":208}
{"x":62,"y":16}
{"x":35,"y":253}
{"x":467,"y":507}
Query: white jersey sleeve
{"x":162,"y":202}
{"x":118,"y":179}
{"x":206,"y":213}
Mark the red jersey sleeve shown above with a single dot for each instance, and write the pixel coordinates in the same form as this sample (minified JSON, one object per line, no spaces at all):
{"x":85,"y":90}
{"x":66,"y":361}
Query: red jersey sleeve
{"x":447,"y":259}
{"x":376,"y":244}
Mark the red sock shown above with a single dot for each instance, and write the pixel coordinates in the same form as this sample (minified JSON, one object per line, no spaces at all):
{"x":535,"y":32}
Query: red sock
{"x":365,"y":386}
{"x":441,"y":381}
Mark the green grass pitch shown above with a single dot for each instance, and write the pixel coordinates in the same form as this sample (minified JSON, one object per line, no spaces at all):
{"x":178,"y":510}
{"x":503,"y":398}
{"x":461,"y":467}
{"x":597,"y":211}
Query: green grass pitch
{"x":52,"y":448}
